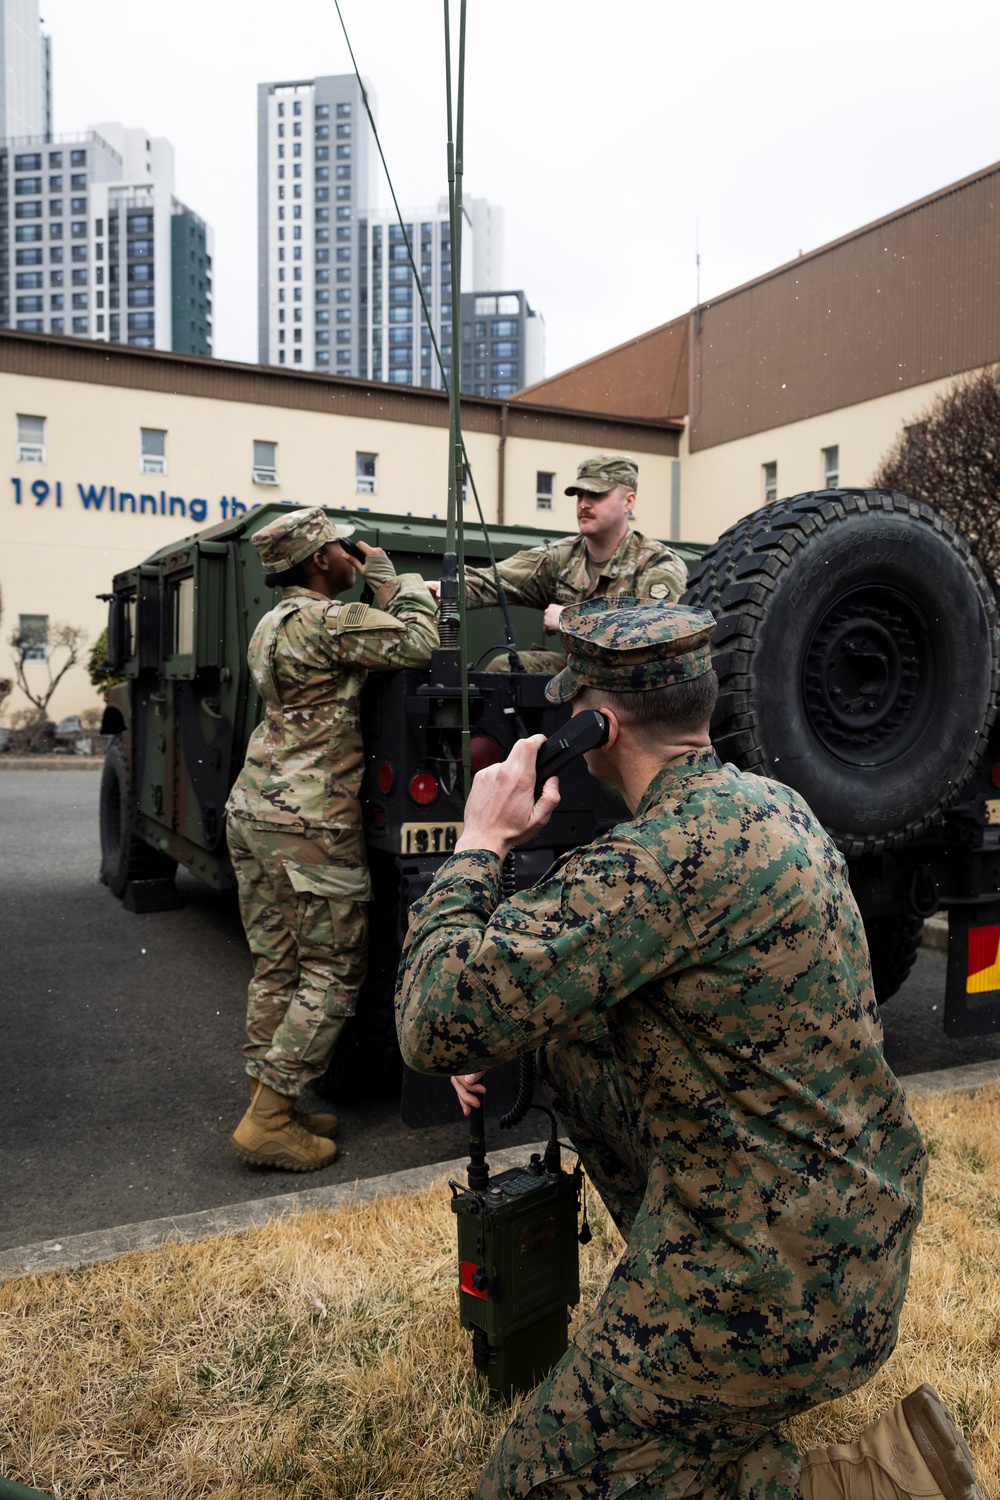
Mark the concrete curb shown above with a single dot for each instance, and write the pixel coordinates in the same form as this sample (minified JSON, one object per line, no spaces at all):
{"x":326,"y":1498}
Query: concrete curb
{"x":51,"y":762}
{"x":935,"y":933}
{"x":79,"y":1250}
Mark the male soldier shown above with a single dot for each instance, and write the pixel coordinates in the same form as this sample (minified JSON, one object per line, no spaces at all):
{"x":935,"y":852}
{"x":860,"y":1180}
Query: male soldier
{"x":294,"y":822}
{"x":606,"y":557}
{"x":698,"y":986}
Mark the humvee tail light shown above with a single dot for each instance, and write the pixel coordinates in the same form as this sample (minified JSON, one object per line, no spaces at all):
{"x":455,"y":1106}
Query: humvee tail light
{"x":386,"y":778}
{"x":483,"y":752}
{"x":423,"y":788}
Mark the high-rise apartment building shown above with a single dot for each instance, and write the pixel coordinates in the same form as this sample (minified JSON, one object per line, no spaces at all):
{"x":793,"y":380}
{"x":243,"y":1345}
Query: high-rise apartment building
{"x":503,"y":343}
{"x":396,"y":346}
{"x":315,"y":184}
{"x":336,"y":288}
{"x":94,"y":243}
{"x":25,"y":71}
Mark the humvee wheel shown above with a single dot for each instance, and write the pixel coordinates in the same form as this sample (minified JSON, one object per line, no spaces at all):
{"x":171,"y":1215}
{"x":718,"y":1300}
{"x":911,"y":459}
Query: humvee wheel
{"x":857,"y":655}
{"x":124,"y":857}
{"x":893,"y":943}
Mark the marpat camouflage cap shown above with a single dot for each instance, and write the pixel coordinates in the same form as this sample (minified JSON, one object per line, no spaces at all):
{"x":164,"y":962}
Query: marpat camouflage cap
{"x":295,"y":536}
{"x":630,"y":645}
{"x":601,"y":473}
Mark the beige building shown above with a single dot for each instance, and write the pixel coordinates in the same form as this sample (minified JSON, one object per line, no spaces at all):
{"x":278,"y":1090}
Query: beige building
{"x":802,"y":378}
{"x":114,"y":452}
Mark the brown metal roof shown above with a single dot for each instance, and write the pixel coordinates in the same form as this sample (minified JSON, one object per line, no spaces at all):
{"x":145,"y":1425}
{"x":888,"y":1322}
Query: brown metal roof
{"x":95,"y":363}
{"x":910,"y":298}
{"x":646,"y":376}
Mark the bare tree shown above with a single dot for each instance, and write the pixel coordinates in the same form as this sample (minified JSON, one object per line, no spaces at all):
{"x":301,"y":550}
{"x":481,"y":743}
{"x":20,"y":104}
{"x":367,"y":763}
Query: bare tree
{"x":950,"y":457}
{"x":58,"y":648}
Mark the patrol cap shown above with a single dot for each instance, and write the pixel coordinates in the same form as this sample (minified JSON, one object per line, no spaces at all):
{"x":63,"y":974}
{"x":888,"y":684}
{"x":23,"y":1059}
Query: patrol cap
{"x":630,"y":645}
{"x":597,"y":475}
{"x":295,"y":536}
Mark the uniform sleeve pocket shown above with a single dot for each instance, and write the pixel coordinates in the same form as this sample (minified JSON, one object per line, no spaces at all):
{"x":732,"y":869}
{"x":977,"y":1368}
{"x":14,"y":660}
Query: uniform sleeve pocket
{"x":336,"y":882}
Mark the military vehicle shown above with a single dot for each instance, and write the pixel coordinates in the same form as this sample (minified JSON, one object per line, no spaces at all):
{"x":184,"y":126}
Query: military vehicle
{"x":178,"y":630}
{"x":858,"y":661}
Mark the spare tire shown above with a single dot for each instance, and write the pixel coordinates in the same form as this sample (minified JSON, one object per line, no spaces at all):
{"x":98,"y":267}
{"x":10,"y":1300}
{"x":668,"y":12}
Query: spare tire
{"x":857,"y":655}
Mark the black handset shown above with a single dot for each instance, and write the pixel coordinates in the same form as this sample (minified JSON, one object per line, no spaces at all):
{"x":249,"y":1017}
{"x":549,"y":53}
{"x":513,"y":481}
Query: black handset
{"x":352,"y":548}
{"x":584,"y":731}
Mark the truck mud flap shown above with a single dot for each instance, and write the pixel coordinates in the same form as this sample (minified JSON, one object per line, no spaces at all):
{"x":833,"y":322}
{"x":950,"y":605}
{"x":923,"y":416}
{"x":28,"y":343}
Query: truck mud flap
{"x":972,"y":996}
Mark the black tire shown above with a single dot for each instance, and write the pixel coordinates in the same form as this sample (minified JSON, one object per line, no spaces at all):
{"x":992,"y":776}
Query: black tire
{"x":124,"y":857}
{"x":857,"y":655}
{"x":893,"y":943}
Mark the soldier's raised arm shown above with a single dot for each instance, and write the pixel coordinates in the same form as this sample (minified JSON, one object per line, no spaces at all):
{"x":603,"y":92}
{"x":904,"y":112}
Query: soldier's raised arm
{"x":400,"y":630}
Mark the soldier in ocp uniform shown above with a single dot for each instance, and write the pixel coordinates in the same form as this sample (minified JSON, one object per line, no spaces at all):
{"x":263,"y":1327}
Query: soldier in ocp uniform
{"x":294,"y":820}
{"x":698,"y":987}
{"x":608,"y":556}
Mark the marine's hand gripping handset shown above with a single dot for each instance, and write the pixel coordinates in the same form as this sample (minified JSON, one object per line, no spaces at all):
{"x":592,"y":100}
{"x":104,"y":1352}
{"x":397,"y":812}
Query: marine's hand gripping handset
{"x":584,"y":731}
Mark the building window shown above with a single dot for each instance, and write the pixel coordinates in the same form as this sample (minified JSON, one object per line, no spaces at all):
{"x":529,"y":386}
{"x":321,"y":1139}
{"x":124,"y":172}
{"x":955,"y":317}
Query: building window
{"x":265,"y":462}
{"x":343,"y":111}
{"x":769,"y":474}
{"x":543,"y":490}
{"x":30,"y":439}
{"x":33,"y":637}
{"x":153,"y":447}
{"x":366,"y":473}
{"x":831,"y":467}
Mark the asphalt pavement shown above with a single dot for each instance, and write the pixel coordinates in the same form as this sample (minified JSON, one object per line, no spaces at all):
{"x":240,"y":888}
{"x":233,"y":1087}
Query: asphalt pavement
{"x":123,"y":1075}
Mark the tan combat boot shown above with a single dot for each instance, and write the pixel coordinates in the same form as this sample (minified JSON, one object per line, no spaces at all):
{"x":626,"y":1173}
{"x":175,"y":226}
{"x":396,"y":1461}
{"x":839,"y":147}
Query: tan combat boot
{"x":319,"y":1124}
{"x":267,"y":1136}
{"x":913,"y":1452}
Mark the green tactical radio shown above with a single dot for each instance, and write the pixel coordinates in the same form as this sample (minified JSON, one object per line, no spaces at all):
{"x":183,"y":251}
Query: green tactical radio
{"x":518,"y":1263}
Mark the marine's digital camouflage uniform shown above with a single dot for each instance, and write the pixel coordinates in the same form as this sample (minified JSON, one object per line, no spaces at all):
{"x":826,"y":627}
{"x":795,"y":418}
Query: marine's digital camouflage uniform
{"x":563,"y":573}
{"x":294,"y":820}
{"x":698,"y":986}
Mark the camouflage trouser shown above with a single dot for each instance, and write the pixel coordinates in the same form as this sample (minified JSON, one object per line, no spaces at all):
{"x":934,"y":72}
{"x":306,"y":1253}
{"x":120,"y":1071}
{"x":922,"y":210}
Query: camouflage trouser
{"x":302,"y":900}
{"x":531,"y":661}
{"x":587,"y":1434}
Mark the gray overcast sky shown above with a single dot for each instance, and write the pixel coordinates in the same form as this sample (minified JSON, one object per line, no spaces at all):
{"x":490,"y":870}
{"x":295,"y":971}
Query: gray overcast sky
{"x":606,"y":131}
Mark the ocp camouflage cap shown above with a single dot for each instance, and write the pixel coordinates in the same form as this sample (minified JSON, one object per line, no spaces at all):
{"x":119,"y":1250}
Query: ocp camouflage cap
{"x":601,"y":473}
{"x":295,"y":536}
{"x":630,"y":645}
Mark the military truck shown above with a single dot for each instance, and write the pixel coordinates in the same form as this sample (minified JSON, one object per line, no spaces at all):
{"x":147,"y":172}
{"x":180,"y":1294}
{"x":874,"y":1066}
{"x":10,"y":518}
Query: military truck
{"x":178,"y":629}
{"x":857,"y":653}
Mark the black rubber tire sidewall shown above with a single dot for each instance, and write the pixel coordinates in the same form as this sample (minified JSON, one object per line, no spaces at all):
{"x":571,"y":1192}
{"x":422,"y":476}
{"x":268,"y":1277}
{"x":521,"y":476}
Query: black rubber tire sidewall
{"x":113,"y":820}
{"x":124,"y":857}
{"x":893,"y":945}
{"x":918,"y":563}
{"x":778,"y":582}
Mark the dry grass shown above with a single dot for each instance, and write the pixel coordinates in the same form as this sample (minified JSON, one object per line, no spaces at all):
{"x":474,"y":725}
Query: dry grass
{"x":321,"y":1357}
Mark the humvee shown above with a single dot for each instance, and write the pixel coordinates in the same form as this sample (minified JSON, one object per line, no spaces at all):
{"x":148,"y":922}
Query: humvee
{"x":857,"y":654}
{"x":178,"y":629}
